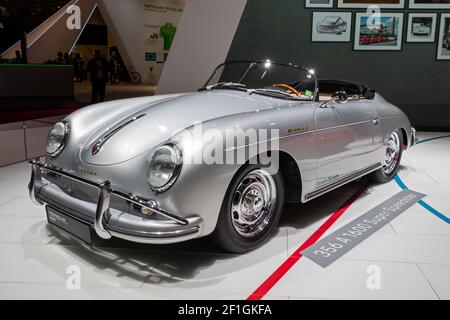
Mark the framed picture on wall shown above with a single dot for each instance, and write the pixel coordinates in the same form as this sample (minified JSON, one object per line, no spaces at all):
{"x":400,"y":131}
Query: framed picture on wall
{"x":429,"y":4}
{"x":421,"y":27}
{"x":319,"y":3}
{"x":396,"y":4}
{"x":444,"y":38}
{"x":331,"y":26}
{"x":384,"y":33}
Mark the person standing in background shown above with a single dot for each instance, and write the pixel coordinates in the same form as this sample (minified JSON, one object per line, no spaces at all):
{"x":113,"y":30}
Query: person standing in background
{"x":24,"y":48}
{"x":113,"y":69}
{"x":18,"y":57}
{"x":66,"y":58}
{"x":59,"y":58}
{"x":78,"y":65}
{"x":98,"y":67}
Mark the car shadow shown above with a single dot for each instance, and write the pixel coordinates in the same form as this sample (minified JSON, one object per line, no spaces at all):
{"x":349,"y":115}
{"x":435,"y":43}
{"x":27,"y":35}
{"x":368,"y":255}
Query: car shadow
{"x":301,"y":216}
{"x":186,"y":261}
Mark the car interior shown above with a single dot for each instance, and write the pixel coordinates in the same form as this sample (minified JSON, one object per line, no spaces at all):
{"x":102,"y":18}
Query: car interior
{"x":328,"y":88}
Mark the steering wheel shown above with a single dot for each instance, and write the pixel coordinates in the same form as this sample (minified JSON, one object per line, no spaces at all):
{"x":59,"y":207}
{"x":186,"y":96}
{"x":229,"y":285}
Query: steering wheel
{"x":286,"y":86}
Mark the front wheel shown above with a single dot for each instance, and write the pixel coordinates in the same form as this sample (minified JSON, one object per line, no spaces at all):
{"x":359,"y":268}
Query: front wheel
{"x":251,"y":210}
{"x":392,"y":158}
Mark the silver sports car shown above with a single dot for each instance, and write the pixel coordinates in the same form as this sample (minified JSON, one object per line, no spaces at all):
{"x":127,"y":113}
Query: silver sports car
{"x":332,"y":24}
{"x":220,"y":162}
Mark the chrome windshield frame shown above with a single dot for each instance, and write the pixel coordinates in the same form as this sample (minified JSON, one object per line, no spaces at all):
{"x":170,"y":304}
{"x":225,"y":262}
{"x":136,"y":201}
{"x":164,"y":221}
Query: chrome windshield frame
{"x":291,"y":65}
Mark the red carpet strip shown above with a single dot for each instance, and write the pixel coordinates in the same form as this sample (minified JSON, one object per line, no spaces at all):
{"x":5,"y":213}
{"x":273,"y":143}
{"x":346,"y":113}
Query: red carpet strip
{"x":276,"y":276}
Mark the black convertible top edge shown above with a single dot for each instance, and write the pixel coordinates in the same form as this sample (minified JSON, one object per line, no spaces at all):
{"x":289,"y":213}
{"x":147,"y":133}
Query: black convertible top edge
{"x":331,"y":86}
{"x":351,"y":87}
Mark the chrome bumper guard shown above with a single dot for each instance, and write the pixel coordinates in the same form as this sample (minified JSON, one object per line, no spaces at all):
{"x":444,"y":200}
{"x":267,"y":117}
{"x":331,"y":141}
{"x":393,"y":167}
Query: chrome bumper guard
{"x":103,"y":206}
{"x":414,"y":139}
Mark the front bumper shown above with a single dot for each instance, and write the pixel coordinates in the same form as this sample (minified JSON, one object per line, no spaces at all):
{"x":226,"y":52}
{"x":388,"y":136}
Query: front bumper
{"x":106,"y":221}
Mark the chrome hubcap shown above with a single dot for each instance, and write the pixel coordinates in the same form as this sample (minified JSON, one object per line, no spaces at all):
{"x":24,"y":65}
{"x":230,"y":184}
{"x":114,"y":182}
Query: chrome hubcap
{"x":392,"y":156}
{"x":253,"y":203}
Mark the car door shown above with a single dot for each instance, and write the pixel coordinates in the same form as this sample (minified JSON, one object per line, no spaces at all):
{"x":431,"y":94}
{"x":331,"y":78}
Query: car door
{"x":348,"y":138}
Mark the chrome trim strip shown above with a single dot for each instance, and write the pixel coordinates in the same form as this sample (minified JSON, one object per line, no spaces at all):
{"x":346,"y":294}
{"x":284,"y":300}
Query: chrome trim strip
{"x":95,"y":148}
{"x":342,"y":181}
{"x":344,"y":125}
{"x":60,"y":172}
{"x":156,"y":235}
{"x":313,"y":131}
{"x":36,"y":176}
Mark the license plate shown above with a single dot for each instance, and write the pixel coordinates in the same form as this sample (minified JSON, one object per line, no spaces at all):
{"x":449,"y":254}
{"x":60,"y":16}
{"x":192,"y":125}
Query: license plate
{"x":74,"y":227}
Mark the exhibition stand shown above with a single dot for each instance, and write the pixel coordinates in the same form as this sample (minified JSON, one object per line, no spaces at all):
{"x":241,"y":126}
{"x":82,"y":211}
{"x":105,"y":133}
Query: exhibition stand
{"x":36,"y":80}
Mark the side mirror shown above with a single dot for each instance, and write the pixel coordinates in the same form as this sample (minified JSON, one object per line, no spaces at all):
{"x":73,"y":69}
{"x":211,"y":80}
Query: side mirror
{"x":340,"y":97}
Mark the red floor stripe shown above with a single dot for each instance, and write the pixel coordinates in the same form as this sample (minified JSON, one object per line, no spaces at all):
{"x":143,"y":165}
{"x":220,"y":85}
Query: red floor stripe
{"x":273,"y":279}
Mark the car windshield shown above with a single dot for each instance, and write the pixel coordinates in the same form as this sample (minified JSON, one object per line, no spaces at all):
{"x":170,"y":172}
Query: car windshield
{"x":266,"y":78}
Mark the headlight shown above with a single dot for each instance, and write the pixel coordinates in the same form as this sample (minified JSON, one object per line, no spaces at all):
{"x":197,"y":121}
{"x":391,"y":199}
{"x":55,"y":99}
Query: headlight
{"x":164,"y":167}
{"x":57,"y":138}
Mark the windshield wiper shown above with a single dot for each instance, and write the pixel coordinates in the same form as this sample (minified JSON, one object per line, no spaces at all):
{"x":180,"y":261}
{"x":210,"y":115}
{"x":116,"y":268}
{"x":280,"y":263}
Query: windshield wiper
{"x":251,"y":91}
{"x":226,"y":85}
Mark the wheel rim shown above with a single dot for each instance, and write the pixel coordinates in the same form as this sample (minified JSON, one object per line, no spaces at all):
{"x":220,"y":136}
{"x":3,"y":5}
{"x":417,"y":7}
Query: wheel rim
{"x":392,"y":156}
{"x":253,"y":203}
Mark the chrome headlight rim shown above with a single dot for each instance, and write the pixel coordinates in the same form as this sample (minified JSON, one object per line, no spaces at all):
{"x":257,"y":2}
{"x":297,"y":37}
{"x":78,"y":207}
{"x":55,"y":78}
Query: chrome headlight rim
{"x":176,"y":172}
{"x":64,"y":140}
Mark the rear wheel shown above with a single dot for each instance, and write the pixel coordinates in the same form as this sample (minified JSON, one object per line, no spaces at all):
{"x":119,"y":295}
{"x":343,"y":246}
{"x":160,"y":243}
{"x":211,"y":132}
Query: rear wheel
{"x":251,"y":210}
{"x":392,"y":159}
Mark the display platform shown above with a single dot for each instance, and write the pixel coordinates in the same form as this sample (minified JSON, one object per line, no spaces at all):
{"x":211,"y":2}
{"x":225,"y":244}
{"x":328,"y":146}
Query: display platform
{"x":406,"y":259}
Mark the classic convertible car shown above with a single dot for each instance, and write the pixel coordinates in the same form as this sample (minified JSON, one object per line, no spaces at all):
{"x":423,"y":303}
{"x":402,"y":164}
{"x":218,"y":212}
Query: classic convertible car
{"x":127,"y":168}
{"x":332,"y":24}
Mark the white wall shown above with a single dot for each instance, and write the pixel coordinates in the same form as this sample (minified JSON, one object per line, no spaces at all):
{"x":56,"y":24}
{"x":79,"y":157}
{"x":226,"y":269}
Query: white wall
{"x":203,"y":39}
{"x":125,"y":21}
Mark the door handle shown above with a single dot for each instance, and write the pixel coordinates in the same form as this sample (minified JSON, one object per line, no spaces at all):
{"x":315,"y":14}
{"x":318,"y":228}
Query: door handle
{"x":327,"y":105}
{"x":376,"y":121}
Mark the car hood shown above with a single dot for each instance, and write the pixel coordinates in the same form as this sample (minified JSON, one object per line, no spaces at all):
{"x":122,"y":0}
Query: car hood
{"x":119,"y":140}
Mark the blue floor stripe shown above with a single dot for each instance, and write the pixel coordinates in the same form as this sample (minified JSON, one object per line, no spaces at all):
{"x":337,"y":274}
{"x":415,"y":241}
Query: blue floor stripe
{"x":434,"y":211}
{"x":400,"y":182}
{"x":432,"y":139}
{"x":421,"y":202}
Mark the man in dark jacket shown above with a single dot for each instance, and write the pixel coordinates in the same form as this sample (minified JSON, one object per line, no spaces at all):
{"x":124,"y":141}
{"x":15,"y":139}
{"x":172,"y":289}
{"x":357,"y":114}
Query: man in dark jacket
{"x":78,"y":65}
{"x":98,"y":67}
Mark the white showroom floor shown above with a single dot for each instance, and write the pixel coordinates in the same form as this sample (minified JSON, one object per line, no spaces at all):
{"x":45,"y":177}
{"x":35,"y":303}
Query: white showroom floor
{"x":411,"y":254}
